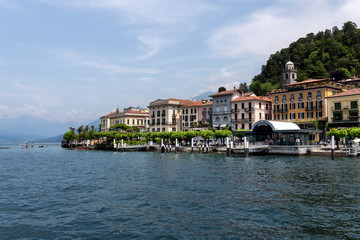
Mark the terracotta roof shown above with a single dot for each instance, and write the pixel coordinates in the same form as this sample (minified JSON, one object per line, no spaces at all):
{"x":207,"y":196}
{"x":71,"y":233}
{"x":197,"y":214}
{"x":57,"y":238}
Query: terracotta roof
{"x":223,"y":93}
{"x":252,"y":98}
{"x":197,"y":104}
{"x":108,"y":115}
{"x":308,"y":81}
{"x":355,"y":91}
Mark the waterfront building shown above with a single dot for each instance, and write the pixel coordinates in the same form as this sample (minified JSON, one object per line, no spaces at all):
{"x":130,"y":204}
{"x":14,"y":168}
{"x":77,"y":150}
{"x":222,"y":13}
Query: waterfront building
{"x":343,"y":109}
{"x":105,"y":121}
{"x":165,"y":114}
{"x":353,"y":81}
{"x":196,"y":115}
{"x":130,"y":116}
{"x":304,"y":102}
{"x":281,"y":133}
{"x":221,"y":107}
{"x":247,"y":110}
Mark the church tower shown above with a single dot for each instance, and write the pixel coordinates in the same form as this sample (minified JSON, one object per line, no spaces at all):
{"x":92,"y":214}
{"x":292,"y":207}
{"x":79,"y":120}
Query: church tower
{"x":289,"y":73}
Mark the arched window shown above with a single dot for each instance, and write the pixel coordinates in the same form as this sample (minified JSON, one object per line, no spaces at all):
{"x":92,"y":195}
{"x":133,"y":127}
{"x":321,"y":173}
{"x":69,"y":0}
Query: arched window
{"x":277,"y":99}
{"x":284,"y":98}
{"x":292,"y":97}
{"x":309,"y":95}
{"x":226,"y":119}
{"x":217,"y":119}
{"x":300,"y":96}
{"x":318,"y":95}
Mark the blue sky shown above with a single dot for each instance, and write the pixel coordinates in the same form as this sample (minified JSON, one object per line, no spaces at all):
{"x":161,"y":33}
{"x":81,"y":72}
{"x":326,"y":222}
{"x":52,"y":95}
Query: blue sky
{"x":75,"y":60}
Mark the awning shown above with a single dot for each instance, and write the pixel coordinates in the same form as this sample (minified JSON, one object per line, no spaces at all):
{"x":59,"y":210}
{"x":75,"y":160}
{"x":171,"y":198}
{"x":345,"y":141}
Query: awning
{"x":223,"y":125}
{"x":216,"y":125}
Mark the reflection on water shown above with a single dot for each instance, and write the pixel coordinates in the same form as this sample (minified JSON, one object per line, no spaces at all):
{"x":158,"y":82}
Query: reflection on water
{"x":55,"y":193}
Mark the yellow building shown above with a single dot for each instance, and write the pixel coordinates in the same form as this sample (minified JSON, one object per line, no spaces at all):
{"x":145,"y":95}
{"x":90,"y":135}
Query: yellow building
{"x":130,"y":116}
{"x":304,"y":102}
{"x":343,"y":109}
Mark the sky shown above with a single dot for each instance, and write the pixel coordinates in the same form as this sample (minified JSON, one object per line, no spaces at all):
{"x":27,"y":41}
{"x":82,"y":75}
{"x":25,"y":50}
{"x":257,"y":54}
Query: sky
{"x":76,"y":60}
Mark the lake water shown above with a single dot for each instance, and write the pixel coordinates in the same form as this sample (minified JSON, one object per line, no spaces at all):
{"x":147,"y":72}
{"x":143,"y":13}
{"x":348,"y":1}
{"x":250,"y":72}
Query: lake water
{"x":54,"y":193}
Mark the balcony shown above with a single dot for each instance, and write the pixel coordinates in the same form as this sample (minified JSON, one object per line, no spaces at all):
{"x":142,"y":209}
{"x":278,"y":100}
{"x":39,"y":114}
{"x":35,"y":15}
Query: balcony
{"x":309,"y":108}
{"x":349,"y":119}
{"x":276,"y":110}
{"x":284,"y":110}
{"x":319,"y":107}
{"x":235,"y":110}
{"x":249,"y":109}
{"x":242,"y":120}
{"x":221,"y":112}
{"x":163,"y":115}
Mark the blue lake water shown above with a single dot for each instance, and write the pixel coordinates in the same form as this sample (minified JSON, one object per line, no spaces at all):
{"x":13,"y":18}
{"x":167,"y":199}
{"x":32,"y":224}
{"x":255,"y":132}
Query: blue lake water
{"x":54,"y":193}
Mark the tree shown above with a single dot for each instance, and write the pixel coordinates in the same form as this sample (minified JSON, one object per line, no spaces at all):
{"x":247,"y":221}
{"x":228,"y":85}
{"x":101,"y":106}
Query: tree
{"x":222,"y":89}
{"x":244,"y":87}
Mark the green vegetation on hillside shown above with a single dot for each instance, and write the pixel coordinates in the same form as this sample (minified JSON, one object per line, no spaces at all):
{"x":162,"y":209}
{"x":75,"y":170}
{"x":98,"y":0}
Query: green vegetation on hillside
{"x":331,"y":53}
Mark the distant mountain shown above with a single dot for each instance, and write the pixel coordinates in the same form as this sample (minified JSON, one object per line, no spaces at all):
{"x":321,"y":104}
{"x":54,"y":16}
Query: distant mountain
{"x":204,"y":95}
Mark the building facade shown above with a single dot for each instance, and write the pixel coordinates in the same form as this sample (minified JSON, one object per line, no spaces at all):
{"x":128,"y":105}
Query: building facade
{"x":304,"y":102}
{"x":221,"y":107}
{"x":245,"y":111}
{"x":196,"y":115}
{"x":343,"y":109}
{"x":132,"y":117}
{"x":165,"y":114}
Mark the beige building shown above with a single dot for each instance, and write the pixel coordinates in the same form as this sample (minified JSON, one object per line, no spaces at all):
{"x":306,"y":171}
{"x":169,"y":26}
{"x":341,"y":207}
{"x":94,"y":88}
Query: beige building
{"x":245,"y":111}
{"x":130,"y":116}
{"x":343,"y":109}
{"x":165,"y":114}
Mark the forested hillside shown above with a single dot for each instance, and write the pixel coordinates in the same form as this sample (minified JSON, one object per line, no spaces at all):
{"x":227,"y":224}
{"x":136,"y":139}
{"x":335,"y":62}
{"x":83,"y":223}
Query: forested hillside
{"x":331,"y":53}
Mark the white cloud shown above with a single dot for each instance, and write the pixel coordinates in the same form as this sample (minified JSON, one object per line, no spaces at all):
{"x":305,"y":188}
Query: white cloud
{"x":223,"y":78}
{"x":143,"y":11}
{"x":25,"y":110}
{"x":103,"y":65}
{"x":271,"y":29}
{"x":153,"y":45}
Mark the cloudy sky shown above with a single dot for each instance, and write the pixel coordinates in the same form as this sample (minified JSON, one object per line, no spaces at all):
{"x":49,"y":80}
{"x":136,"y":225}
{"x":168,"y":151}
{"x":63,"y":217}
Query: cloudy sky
{"x":75,"y":60}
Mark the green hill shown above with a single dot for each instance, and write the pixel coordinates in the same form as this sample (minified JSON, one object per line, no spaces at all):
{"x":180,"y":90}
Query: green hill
{"x":331,"y":53}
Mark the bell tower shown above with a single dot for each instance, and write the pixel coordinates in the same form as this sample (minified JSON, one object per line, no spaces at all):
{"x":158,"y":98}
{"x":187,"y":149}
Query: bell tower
{"x":289,"y":73}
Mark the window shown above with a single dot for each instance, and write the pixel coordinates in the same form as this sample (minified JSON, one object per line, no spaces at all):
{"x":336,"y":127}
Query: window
{"x":259,"y":115}
{"x":309,"y":96}
{"x":158,"y":113}
{"x":187,"y":111}
{"x":276,"y":99}
{"x":259,"y":105}
{"x":319,"y":114}
{"x":242,"y":115}
{"x":284,"y":98}
{"x":226,"y":119}
{"x":338,"y":106}
{"x":284,"y":116}
{"x":163,"y":130}
{"x":242,"y":105}
{"x":354,"y":104}
{"x":292,"y":97}
{"x":267,"y":106}
{"x":318,"y":104}
{"x":277,"y":117}
{"x":163,"y":113}
{"x":191,"y":111}
{"x":250,"y":125}
{"x":194,"y":110}
{"x":301,"y":115}
{"x":250,"y":116}
{"x":310,"y":106}
{"x":133,"y":121}
{"x":242,"y":126}
{"x":249,"y":105}
{"x":217,"y":119}
{"x":292,"y":105}
{"x":301,"y":105}
{"x":310,"y":115}
{"x":318,"y":95}
{"x":128,"y":121}
{"x":300,"y":97}
{"x":284,"y":107}
{"x":292,"y":115}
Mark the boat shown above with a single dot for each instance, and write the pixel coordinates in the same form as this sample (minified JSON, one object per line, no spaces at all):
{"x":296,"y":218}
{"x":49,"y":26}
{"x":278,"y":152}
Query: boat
{"x":4,"y":147}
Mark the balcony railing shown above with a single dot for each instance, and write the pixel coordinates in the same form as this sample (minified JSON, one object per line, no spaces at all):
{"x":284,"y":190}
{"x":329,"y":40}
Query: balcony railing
{"x":242,"y":120}
{"x":349,"y":119}
{"x":284,"y":110}
{"x":221,"y":112}
{"x":319,"y":107}
{"x":276,"y":110}
{"x":309,"y":108}
{"x":249,"y":109}
{"x":235,"y":110}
